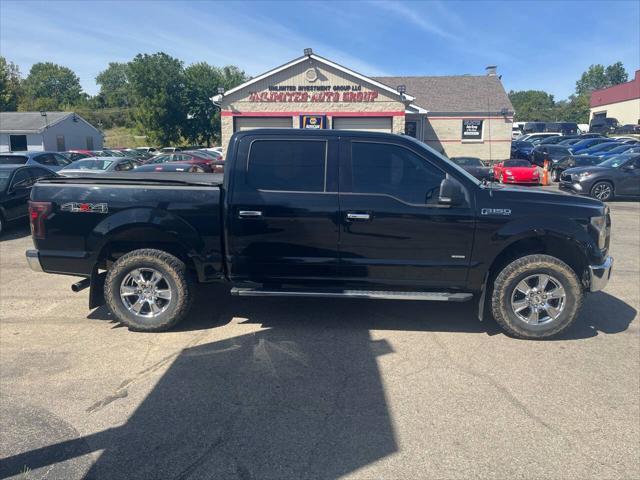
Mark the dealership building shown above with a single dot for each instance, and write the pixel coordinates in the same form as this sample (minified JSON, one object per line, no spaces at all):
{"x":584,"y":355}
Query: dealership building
{"x":621,"y":102}
{"x":465,"y":115}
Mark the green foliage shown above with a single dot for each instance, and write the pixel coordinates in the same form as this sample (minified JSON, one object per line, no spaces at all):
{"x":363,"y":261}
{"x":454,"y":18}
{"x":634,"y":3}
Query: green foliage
{"x":10,"y":87}
{"x":201,"y":83}
{"x":157,"y":91}
{"x":532,"y":105}
{"x":114,"y":86}
{"x":50,"y":87}
{"x":597,"y":77}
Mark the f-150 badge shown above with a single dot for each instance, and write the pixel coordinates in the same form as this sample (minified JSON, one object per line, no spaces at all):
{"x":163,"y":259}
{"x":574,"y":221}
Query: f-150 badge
{"x":84,"y":207}
{"x":495,"y":211}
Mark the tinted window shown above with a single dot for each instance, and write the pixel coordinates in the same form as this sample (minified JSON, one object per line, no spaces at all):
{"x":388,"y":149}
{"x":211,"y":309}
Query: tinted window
{"x":12,"y":159}
{"x":516,"y":163}
{"x":295,"y":165}
{"x":38,"y":173}
{"x":61,"y":160}
{"x":22,"y":178}
{"x":46,"y":159}
{"x":396,"y":171}
{"x":123,"y":166}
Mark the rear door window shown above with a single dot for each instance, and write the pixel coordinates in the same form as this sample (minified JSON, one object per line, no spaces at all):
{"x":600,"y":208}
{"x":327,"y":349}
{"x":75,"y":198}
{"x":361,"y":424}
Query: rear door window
{"x":12,"y":160}
{"x":289,"y":165}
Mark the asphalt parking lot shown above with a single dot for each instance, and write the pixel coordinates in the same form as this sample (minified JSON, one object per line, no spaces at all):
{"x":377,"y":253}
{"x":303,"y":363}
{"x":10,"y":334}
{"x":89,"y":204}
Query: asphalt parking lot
{"x":292,"y":389}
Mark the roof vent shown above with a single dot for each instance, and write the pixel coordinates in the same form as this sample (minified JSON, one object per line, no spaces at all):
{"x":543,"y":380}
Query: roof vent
{"x":491,"y":70}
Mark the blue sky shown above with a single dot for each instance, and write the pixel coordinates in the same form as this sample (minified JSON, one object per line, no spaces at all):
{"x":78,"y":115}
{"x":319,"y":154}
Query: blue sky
{"x":536,"y":45}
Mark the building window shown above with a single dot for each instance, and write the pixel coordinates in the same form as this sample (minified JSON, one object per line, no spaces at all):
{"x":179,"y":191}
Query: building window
{"x":89,"y":142}
{"x":291,"y":165}
{"x":60,"y":143}
{"x":472,"y":130}
{"x":411,"y":129}
{"x":18,"y":143}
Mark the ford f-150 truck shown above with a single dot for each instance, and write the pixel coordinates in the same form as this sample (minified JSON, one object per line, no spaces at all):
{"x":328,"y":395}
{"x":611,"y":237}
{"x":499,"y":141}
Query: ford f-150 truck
{"x":323,"y":214}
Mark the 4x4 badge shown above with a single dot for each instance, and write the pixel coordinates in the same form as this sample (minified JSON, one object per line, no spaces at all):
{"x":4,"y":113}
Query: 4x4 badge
{"x":495,"y":211}
{"x":84,"y":207}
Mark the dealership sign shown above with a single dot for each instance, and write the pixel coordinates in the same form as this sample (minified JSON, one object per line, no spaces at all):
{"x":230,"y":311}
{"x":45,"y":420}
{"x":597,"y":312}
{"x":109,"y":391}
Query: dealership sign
{"x":314,"y":122}
{"x":472,"y":129}
{"x":313,"y":93}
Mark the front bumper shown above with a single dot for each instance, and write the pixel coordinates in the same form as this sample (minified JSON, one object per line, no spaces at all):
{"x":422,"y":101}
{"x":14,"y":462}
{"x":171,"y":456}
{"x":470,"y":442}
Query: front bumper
{"x":599,"y":275}
{"x":33,"y":259}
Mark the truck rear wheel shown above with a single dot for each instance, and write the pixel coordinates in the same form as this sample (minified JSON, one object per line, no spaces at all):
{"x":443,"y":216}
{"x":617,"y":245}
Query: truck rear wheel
{"x":148,"y":290}
{"x":536,"y":296}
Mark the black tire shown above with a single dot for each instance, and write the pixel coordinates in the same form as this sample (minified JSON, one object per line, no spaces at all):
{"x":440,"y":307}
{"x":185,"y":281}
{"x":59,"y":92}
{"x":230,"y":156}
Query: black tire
{"x":606,"y":187}
{"x":174,"y":274}
{"x":526,"y":267}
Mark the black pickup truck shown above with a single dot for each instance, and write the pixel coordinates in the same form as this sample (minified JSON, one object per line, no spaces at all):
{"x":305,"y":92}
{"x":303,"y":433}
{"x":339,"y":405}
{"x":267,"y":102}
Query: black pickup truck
{"x":323,"y":214}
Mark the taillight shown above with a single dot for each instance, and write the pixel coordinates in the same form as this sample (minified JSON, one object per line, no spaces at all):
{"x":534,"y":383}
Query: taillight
{"x":38,"y":212}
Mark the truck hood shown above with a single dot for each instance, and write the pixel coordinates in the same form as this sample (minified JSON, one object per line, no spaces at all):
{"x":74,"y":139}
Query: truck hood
{"x":545,"y":198}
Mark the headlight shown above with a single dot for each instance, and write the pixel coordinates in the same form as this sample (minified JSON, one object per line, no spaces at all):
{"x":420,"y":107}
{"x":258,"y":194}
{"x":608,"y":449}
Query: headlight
{"x":584,"y":174}
{"x":599,"y":224}
{"x":508,"y":172}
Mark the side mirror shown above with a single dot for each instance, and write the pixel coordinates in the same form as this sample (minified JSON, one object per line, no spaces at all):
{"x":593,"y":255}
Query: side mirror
{"x":451,"y":192}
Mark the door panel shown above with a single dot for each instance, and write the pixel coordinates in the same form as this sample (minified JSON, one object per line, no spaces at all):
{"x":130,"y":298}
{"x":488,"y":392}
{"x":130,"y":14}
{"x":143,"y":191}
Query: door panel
{"x":283,"y":218}
{"x":406,"y":239}
{"x":628,"y":181}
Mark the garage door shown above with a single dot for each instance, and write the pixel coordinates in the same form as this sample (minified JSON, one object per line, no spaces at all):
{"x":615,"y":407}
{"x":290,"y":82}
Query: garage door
{"x":365,"y":124}
{"x":250,"y":123}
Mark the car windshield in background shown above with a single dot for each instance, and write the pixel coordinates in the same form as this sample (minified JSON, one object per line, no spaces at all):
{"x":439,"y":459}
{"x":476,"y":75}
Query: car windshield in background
{"x":4,"y":179}
{"x":89,"y":165}
{"x":618,"y":161}
{"x":516,"y":163}
{"x":12,"y":160}
{"x":467,"y":161}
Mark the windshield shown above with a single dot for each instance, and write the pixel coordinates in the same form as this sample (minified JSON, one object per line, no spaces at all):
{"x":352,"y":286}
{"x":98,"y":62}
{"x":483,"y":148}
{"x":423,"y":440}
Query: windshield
{"x":616,"y":162}
{"x":467,"y":161}
{"x":4,"y":179}
{"x":89,"y":165}
{"x":517,"y":163}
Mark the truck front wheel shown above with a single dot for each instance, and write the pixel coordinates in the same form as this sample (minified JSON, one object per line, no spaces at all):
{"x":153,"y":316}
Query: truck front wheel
{"x":147,"y":290}
{"x":536,"y":296}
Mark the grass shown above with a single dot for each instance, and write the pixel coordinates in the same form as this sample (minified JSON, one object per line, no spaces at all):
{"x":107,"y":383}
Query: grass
{"x":123,"y":137}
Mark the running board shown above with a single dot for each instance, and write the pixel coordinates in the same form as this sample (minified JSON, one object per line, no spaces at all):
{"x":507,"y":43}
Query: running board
{"x":379,"y":294}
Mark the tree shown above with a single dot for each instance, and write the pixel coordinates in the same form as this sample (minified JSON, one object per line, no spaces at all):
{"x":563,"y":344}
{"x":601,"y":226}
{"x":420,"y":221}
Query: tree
{"x":202,"y":82}
{"x":574,"y":109}
{"x":157,"y":90}
{"x":10,"y":87}
{"x":50,"y":87}
{"x":532,"y":105}
{"x":597,"y":77}
{"x":616,"y":74}
{"x":114,"y":85}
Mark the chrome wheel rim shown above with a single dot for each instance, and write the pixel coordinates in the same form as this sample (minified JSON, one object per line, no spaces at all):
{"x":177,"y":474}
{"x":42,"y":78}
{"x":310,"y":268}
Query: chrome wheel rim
{"x":145,"y":292}
{"x":602,"y":191}
{"x":538,"y":299}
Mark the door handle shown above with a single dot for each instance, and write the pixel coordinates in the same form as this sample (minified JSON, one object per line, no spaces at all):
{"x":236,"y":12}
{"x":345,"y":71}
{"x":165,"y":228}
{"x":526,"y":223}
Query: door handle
{"x":249,"y":213}
{"x":358,"y":216}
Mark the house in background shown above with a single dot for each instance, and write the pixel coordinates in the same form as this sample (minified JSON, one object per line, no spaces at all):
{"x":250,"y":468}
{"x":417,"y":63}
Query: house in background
{"x":51,"y":131}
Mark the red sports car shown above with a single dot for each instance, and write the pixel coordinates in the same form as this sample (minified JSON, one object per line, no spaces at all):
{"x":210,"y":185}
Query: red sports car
{"x":516,"y":171}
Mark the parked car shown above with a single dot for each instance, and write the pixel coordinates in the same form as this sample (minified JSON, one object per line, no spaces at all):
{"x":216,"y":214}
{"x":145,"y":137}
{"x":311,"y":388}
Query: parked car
{"x":563,"y":128}
{"x":553,"y":153}
{"x":533,"y":127}
{"x":628,"y":128}
{"x":530,"y":137}
{"x":98,"y":165}
{"x":406,"y":224}
{"x":174,"y":167}
{"x":54,"y":161}
{"x":624,"y":148}
{"x":189,"y":157}
{"x":625,"y":139}
{"x":617,"y":177}
{"x":601,"y":148}
{"x":15,"y":188}
{"x":212,"y":154}
{"x":571,"y":162}
{"x":73,"y":156}
{"x":603,"y":125}
{"x":474,"y":166}
{"x":582,"y":145}
{"x":521,"y":149}
{"x":516,"y":171}
{"x":555,"y":139}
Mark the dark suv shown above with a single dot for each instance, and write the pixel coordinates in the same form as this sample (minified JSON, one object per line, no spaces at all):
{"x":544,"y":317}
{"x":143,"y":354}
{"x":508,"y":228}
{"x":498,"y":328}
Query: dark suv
{"x":603,"y":125}
{"x":563,"y":128}
{"x":616,"y":177}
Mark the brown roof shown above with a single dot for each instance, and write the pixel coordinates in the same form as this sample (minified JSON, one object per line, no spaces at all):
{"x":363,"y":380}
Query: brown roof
{"x":461,"y":94}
